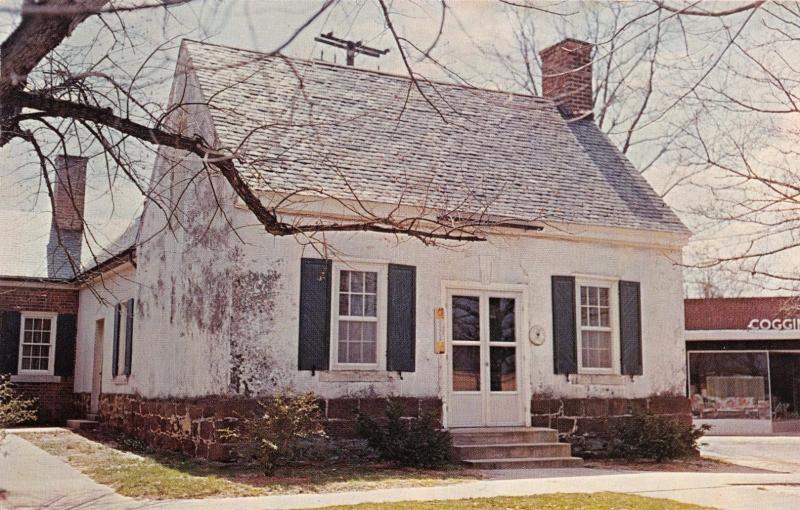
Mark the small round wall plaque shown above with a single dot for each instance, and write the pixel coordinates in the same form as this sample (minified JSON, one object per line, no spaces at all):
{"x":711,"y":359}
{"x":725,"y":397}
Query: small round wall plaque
{"x":536,"y":335}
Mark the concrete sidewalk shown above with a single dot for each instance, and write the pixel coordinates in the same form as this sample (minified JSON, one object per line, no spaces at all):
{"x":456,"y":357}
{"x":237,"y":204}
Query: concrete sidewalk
{"x":36,"y":479}
{"x":735,"y":491}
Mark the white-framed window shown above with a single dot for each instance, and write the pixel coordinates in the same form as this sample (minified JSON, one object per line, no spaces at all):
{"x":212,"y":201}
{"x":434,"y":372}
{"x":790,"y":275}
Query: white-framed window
{"x":37,"y":343}
{"x":598,"y":326}
{"x":358,"y":325}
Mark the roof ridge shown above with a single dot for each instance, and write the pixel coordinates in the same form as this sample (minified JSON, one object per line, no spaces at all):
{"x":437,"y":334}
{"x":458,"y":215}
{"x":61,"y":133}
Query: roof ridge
{"x":402,"y":77}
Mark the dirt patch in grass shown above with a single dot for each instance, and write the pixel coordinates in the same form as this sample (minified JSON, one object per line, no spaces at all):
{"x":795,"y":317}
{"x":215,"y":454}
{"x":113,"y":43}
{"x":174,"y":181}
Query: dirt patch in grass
{"x":594,"y":501}
{"x":131,"y":470}
{"x":690,"y":465}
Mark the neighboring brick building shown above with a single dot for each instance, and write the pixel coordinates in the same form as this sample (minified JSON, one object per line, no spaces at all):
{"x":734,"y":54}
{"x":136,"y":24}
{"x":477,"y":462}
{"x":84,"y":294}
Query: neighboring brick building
{"x":39,"y":259}
{"x":743,"y":358}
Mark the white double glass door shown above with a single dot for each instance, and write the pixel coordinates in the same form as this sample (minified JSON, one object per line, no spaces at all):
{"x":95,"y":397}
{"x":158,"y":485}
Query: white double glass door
{"x":485,"y":358}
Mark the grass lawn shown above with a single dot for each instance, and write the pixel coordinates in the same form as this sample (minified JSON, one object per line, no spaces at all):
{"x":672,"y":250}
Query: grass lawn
{"x":173,"y":477}
{"x":595,"y":501}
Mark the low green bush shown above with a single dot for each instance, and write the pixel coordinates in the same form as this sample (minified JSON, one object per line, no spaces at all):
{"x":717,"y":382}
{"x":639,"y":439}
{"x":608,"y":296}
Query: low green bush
{"x":648,"y":436}
{"x":14,"y":408}
{"x":279,"y":424}
{"x":412,"y":442}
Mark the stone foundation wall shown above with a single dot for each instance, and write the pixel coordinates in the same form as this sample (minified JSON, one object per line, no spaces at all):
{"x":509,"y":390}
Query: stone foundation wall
{"x":194,"y":426}
{"x":588,"y":422}
{"x":54,"y":400}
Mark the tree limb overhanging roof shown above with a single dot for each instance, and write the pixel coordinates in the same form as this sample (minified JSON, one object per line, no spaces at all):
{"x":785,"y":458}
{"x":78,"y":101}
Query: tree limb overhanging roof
{"x":301,"y":125}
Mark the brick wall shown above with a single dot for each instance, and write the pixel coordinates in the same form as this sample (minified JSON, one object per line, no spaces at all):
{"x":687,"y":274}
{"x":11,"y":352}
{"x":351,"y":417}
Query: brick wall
{"x":54,"y":401}
{"x":192,"y":426}
{"x":736,"y":313}
{"x":588,"y":422}
{"x":567,"y":75}
{"x":70,"y":189}
{"x":38,"y":299}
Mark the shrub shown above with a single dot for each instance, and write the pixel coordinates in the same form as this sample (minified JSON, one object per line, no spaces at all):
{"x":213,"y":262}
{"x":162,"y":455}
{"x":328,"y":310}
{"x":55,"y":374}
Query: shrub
{"x":412,"y":442}
{"x":14,"y":409}
{"x":280,"y":422}
{"x":647,"y":436}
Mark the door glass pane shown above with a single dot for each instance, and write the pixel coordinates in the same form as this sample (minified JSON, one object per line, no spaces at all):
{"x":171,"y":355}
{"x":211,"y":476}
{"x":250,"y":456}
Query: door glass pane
{"x":501,"y":320}
{"x":503,"y":368}
{"x":466,"y":368}
{"x":466,"y":318}
{"x":729,"y":385}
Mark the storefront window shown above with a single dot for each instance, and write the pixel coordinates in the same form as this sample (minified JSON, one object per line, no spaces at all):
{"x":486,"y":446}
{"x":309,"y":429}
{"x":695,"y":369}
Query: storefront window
{"x":785,"y":386}
{"x":729,"y":385}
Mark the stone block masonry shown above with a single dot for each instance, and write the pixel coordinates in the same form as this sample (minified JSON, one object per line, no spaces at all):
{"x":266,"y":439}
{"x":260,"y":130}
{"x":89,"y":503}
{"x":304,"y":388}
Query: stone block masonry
{"x":195,"y":427}
{"x":588,"y":422}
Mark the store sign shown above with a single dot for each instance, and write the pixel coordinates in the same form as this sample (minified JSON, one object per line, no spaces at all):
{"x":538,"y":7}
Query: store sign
{"x":775,"y":324}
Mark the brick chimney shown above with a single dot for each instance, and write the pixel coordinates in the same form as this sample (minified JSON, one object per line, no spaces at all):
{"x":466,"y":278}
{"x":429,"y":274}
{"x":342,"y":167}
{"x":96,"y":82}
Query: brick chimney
{"x":69,"y":192}
{"x":567,"y":77}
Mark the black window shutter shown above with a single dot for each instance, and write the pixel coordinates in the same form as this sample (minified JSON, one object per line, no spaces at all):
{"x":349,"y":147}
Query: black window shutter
{"x":128,"y":336}
{"x":315,"y":314}
{"x":66,"y":328}
{"x":565,"y":340}
{"x":630,"y":330}
{"x":9,"y":341}
{"x":115,"y":343}
{"x":401,"y":316}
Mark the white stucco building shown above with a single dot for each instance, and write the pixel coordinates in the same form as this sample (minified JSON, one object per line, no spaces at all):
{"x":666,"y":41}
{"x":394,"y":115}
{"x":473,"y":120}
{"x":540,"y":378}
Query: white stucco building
{"x":568,"y":311}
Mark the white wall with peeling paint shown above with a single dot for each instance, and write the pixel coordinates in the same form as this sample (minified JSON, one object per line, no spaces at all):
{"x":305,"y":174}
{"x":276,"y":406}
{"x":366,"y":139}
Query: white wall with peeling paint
{"x":96,"y":302}
{"x":222,"y":316}
{"x":523,"y":260}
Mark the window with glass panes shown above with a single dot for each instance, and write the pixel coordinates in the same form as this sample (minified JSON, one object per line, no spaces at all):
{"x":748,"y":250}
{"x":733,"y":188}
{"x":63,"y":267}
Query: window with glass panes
{"x":595,"y":327}
{"x":37,"y":344}
{"x":358,"y":317}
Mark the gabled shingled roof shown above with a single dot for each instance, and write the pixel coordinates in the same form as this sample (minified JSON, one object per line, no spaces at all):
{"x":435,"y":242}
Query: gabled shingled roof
{"x":316,"y":126}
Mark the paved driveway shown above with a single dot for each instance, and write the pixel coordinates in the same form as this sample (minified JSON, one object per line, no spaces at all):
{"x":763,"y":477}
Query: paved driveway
{"x":775,"y":453}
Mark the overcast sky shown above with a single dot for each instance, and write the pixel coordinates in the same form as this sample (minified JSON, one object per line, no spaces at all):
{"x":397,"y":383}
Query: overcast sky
{"x":475,"y":33}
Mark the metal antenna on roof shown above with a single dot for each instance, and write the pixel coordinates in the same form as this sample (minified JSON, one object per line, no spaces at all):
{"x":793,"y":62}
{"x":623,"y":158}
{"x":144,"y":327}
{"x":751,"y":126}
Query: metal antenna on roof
{"x":352,"y":47}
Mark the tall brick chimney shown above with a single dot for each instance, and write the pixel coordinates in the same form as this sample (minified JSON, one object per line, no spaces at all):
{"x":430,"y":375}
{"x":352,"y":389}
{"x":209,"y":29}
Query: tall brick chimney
{"x":69,"y":192}
{"x":567,"y":77}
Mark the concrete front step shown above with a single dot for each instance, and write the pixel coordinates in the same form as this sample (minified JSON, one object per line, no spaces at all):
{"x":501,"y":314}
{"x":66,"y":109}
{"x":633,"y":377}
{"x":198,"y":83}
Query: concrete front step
{"x":512,"y":451}
{"x":81,"y":424}
{"x":512,"y":448}
{"x":503,"y":435}
{"x":526,"y":463}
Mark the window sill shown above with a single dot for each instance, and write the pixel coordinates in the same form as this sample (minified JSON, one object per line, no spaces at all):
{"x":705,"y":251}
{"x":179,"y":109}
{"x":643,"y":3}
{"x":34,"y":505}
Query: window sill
{"x":356,"y":376}
{"x":601,"y":379}
{"x":120,"y":380}
{"x":35,"y":378}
